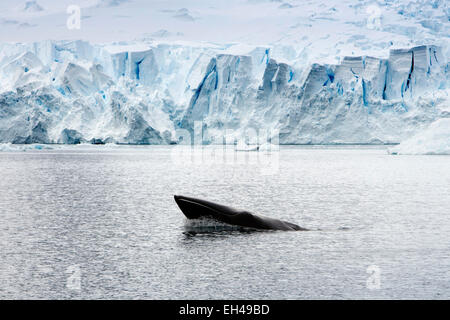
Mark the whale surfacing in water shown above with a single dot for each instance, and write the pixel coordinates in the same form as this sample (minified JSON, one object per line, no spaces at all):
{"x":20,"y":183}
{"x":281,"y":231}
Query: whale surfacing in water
{"x":196,"y":209}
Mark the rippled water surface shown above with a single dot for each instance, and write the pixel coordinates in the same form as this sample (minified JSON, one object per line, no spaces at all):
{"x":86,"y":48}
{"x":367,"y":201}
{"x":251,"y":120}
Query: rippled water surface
{"x":101,"y":222}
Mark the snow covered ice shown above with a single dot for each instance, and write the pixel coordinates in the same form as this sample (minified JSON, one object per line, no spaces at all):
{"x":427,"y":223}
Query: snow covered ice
{"x":319,"y":76}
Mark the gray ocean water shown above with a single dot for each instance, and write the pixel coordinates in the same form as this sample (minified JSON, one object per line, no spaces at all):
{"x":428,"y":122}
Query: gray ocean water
{"x":101,"y":223}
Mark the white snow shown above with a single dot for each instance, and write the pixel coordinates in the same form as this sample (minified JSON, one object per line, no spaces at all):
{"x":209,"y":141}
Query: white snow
{"x":433,"y":140}
{"x":142,"y":92}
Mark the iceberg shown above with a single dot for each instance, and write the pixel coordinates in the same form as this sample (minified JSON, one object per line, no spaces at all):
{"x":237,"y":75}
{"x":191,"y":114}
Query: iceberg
{"x":433,"y":140}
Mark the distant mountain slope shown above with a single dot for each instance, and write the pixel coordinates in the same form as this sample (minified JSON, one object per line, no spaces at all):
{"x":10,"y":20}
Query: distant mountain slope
{"x":137,"y":71}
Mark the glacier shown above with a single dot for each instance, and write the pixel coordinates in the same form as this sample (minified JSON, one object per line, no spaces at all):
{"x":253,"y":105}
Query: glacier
{"x":142,"y":92}
{"x":434,"y":140}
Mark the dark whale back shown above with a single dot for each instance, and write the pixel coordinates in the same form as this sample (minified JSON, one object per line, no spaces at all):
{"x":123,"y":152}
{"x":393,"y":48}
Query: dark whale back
{"x":197,"y":208}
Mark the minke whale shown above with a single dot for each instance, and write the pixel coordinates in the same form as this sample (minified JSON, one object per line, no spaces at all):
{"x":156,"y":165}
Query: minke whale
{"x":197,"y":209}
